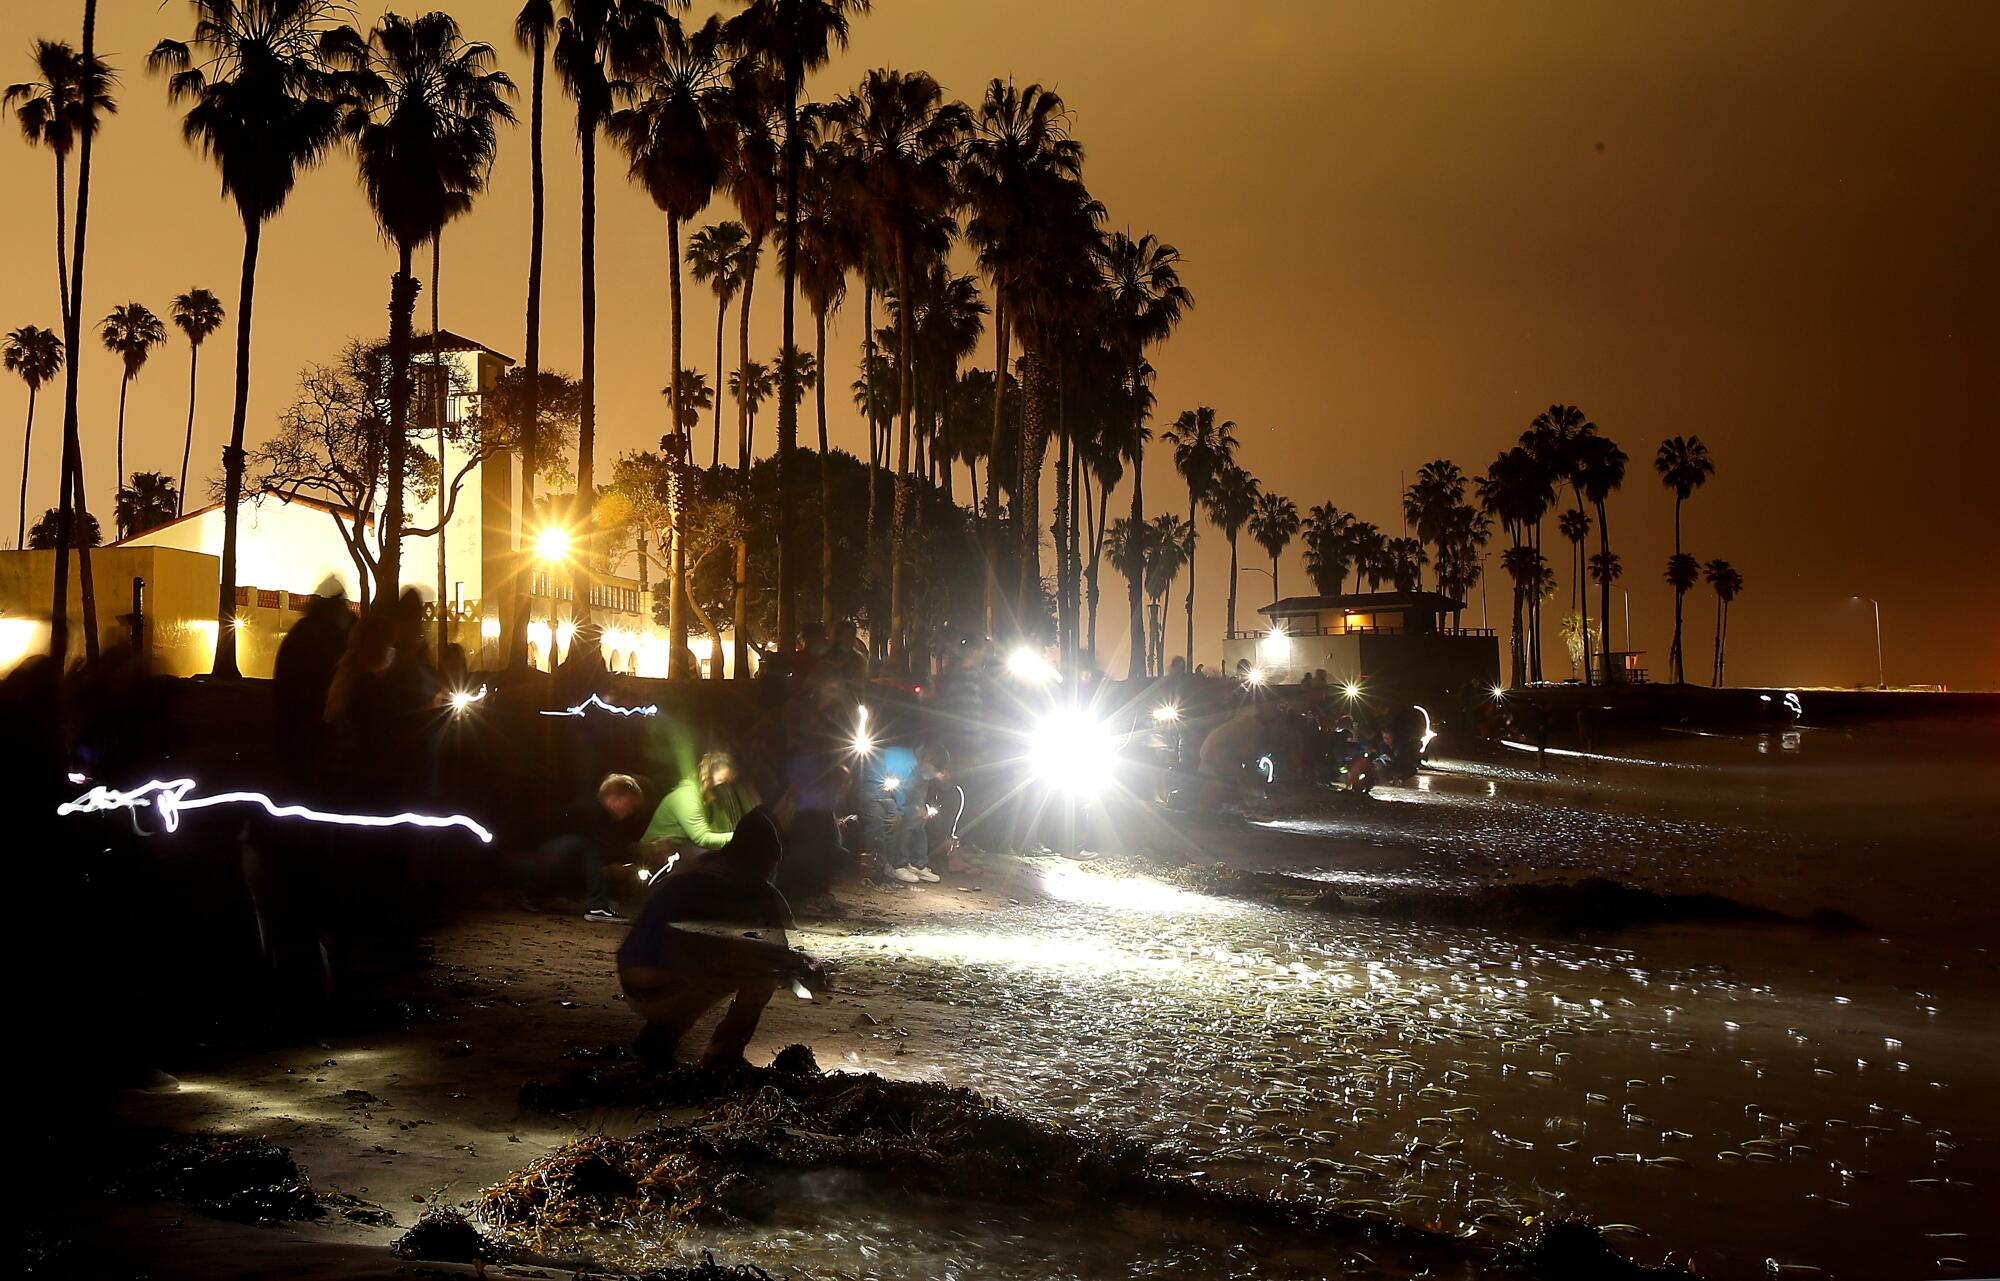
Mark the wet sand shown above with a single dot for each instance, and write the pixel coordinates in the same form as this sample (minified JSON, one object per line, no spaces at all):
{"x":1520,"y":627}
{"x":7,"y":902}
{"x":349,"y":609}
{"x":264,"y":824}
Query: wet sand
{"x":1741,"y":1098}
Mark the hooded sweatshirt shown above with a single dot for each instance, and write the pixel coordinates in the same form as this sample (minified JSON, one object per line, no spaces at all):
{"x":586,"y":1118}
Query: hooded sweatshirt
{"x":725,"y":890}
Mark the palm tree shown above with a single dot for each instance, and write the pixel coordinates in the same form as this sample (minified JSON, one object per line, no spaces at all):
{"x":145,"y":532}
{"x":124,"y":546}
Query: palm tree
{"x":828,"y":245}
{"x":716,"y":256}
{"x":1684,"y":466}
{"x":1019,"y":145}
{"x":54,"y":111}
{"x":532,"y":28}
{"x":422,"y":108}
{"x":750,"y":387}
{"x":147,"y":503}
{"x":1273,"y":524}
{"x":63,"y":110}
{"x":45,"y":532}
{"x":1202,"y":448}
{"x":261,"y":106}
{"x":1327,"y":533}
{"x":596,"y":41}
{"x":1683,"y":572}
{"x":693,"y":394}
{"x":1167,"y":551}
{"x":903,"y":139}
{"x":37,"y":356}
{"x":130,"y":332}
{"x":791,"y":374}
{"x":1728,"y":584}
{"x":1601,"y":469}
{"x":678,"y":132}
{"x":790,"y":38}
{"x":1605,"y":569}
{"x":1574,"y":525}
{"x":1232,"y":500}
{"x":198,"y":313}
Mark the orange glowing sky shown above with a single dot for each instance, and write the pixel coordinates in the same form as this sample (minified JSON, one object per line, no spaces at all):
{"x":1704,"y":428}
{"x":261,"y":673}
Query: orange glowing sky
{"x":1408,"y":228}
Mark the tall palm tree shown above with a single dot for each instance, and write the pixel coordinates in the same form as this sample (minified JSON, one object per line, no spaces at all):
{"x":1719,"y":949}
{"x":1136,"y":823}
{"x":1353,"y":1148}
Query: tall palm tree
{"x":1574,"y":525}
{"x":1274,"y":524}
{"x":37,"y":356}
{"x":1728,"y":584}
{"x":54,"y":111}
{"x":790,"y":38}
{"x":1202,"y":448}
{"x":693,"y":395}
{"x":147,"y":503}
{"x":1601,"y":469}
{"x":1429,"y":503}
{"x":61,"y":111}
{"x":197,"y":313}
{"x":678,"y":132}
{"x":1144,"y":302}
{"x":596,"y":42}
{"x":1019,"y":145}
{"x":423,"y":106}
{"x":828,"y":244}
{"x":1232,"y":500}
{"x":130,"y":333}
{"x":533,"y":27}
{"x":715,"y":255}
{"x":903,"y":140}
{"x":1167,"y":551}
{"x":260,"y":98}
{"x":1684,"y":466}
{"x":1327,"y":533}
{"x":750,"y":387}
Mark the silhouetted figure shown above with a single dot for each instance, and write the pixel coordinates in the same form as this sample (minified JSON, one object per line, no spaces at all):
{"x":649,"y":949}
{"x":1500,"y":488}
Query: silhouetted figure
{"x":594,"y":834}
{"x":300,"y":679}
{"x":714,"y":927}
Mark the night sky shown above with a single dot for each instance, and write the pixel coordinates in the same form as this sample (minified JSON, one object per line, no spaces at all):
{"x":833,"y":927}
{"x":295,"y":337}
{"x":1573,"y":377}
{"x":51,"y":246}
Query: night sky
{"x":1408,"y":228}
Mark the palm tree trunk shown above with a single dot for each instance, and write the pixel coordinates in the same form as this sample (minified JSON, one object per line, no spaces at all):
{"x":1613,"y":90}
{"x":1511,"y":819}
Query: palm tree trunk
{"x":825,"y":477}
{"x":587,"y":427}
{"x":1062,"y":543}
{"x":899,"y":658}
{"x":1034,"y":444}
{"x":517,"y":645}
{"x":62,"y":251}
{"x":187,"y":446}
{"x":1135,"y":572}
{"x":1233,"y":572}
{"x":677,"y":461}
{"x":740,"y":663}
{"x":402,"y":309}
{"x":439,"y":393}
{"x":788,"y":401}
{"x":1000,"y":340}
{"x":1090,"y":522}
{"x":232,"y":459}
{"x":1190,"y":590}
{"x":27,"y":452}
{"x":70,"y":484}
{"x":868,"y":407}
{"x":721,"y":378}
{"x":118,"y":479}
{"x":1604,"y":587}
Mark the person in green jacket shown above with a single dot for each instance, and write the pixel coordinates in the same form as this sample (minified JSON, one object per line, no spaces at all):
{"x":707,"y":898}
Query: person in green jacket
{"x":701,"y":811}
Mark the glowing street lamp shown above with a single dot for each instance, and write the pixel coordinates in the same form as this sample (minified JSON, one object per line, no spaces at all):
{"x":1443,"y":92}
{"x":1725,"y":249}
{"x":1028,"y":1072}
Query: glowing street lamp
{"x":552,"y":544}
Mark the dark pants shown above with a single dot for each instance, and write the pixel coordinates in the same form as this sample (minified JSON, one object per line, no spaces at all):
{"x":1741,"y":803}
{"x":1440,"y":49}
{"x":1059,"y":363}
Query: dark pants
{"x":701,"y":971}
{"x":570,"y":848}
{"x":813,"y":855}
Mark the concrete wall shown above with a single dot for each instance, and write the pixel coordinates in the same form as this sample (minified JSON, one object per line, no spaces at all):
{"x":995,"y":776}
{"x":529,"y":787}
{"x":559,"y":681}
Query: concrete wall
{"x":179,"y":601}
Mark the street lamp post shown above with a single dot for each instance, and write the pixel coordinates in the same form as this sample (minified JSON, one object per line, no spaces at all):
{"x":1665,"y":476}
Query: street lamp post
{"x":1256,"y":569}
{"x":1881,"y":681}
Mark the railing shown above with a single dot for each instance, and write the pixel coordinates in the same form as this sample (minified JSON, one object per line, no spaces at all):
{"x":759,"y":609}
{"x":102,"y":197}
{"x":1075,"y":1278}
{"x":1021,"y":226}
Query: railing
{"x":1296,"y":633}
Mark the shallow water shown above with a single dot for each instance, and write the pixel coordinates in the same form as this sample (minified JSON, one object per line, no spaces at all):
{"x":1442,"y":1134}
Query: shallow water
{"x":1746,"y":1099}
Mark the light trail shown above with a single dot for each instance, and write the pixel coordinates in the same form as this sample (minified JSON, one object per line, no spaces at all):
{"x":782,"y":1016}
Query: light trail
{"x":170,"y":798}
{"x":650,"y":709}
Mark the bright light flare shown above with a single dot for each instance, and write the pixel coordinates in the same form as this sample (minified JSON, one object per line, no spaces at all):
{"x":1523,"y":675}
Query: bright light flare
{"x":1276,"y":647}
{"x":1026,"y":665}
{"x":1255,"y":677}
{"x":552,"y":543}
{"x":1351,"y":689}
{"x":464,"y":698}
{"x":863,"y":742}
{"x":1072,"y":750}
{"x":1167,"y":714}
{"x":171,"y":797}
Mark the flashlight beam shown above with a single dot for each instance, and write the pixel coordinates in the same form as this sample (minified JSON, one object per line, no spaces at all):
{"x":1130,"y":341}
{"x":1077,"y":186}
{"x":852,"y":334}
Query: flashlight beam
{"x":170,"y":798}
{"x":651,"y":709}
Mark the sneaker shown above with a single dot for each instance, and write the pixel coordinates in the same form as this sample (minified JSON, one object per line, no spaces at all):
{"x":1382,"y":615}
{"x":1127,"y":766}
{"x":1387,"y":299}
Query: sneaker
{"x":925,"y":874}
{"x":906,"y":876}
{"x":605,"y":916}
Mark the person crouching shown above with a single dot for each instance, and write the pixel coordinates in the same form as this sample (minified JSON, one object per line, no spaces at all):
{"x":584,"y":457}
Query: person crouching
{"x":713,"y":927}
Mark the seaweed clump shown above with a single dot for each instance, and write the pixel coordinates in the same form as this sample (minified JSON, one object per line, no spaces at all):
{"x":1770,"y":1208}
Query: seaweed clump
{"x":245,"y":1178}
{"x":1573,"y":1250}
{"x":443,"y":1235}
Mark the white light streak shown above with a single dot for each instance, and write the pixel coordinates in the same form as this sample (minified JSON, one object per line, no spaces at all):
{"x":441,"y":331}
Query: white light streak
{"x":170,"y":798}
{"x":1424,"y":743}
{"x":650,"y":709}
